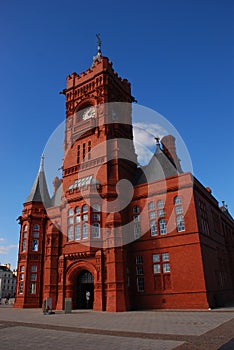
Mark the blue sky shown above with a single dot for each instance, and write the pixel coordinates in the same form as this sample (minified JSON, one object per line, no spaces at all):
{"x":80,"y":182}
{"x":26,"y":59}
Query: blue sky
{"x":177,"y":54}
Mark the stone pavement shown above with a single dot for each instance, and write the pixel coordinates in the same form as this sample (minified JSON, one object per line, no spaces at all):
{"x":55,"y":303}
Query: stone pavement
{"x":139,"y":330}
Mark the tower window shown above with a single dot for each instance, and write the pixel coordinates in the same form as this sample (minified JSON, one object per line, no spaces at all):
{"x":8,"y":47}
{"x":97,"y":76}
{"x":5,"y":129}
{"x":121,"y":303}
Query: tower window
{"x":35,"y":245}
{"x":89,"y":150}
{"x":78,"y":154}
{"x":83,"y":154}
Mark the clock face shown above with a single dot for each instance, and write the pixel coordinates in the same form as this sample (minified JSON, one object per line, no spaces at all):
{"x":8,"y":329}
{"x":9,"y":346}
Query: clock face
{"x":88,"y":113}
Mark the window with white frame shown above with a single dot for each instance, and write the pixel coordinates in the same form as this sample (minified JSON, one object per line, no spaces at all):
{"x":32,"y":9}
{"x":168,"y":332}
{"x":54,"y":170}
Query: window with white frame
{"x":179,"y":214}
{"x":162,"y":226}
{"x":161,"y":263}
{"x":136,"y":221}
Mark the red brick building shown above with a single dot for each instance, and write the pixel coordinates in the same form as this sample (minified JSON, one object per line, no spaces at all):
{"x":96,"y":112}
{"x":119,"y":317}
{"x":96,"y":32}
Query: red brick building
{"x":171,"y":246}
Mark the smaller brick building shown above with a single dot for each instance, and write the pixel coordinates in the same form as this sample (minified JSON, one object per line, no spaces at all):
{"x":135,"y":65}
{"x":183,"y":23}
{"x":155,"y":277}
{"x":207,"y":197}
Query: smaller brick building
{"x":170,"y":247}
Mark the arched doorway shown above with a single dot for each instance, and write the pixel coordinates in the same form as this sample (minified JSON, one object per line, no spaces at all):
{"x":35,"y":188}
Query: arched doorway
{"x":85,"y":290}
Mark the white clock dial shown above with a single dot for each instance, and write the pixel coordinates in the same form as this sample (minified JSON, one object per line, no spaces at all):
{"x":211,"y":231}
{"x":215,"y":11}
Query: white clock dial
{"x":88,"y":113}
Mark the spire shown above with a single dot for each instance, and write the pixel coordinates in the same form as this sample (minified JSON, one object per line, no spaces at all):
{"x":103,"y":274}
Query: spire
{"x":99,"y":52}
{"x":39,"y":191}
{"x":42,"y":163}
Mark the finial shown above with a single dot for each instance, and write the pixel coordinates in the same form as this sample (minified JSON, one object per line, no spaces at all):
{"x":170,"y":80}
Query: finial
{"x":157,"y":140}
{"x":42,"y":163}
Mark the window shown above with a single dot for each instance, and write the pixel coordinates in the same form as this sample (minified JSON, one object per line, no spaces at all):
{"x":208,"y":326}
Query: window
{"x":139,"y":259}
{"x":83,"y":155}
{"x":178,"y":212}
{"x":85,"y":217}
{"x":156,"y":258}
{"x":140,"y":284}
{"x":21,"y":286}
{"x":177,"y":200}
{"x":161,"y":263}
{"x":151,"y":206}
{"x":70,"y":233}
{"x":85,"y":208}
{"x":33,"y":277}
{"x":89,"y":149}
{"x":139,"y":273}
{"x":153,"y":228}
{"x":78,"y":154}
{"x":70,"y":221}
{"x":162,"y":226}
{"x":152,"y":215}
{"x":166,"y":268}
{"x":96,"y":230}
{"x":33,"y":288}
{"x":21,"y":268}
{"x":33,"y":268}
{"x":136,"y":209}
{"x":35,"y":245}
{"x":165,"y":257}
{"x":36,"y":227}
{"x":77,"y":232}
{"x":136,"y":218}
{"x":85,"y":231}
{"x":160,"y":204}
{"x":96,"y":233}
{"x":25,"y":229}
{"x":24,"y":244}
{"x":35,"y":234}
{"x":96,"y":217}
{"x":21,"y":277}
{"x":161,"y":213}
{"x":139,"y":270}
{"x":70,"y":212}
{"x":178,"y":209}
{"x":137,"y":230}
{"x":157,"y":268}
{"x":180,"y":223}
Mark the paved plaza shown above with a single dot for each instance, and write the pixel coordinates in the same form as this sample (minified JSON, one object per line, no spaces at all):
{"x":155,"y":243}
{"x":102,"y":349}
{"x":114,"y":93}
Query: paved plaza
{"x":139,"y":330}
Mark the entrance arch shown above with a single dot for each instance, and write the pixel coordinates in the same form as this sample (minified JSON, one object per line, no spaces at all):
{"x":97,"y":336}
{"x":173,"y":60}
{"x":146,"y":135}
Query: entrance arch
{"x":85,"y":290}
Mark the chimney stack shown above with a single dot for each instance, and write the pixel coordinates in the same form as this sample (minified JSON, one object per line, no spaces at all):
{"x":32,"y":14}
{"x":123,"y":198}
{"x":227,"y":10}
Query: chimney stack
{"x":169,"y":148}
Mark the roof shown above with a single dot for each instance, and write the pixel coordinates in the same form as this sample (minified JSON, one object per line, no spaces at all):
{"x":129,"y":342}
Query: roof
{"x":160,"y":167}
{"x":39,"y":191}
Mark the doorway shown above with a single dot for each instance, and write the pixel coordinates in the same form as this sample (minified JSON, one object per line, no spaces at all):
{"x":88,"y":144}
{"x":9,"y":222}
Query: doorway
{"x":85,"y":290}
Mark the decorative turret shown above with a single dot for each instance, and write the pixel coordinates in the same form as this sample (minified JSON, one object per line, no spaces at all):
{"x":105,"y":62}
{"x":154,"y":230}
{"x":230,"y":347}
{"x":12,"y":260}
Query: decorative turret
{"x":39,"y":191}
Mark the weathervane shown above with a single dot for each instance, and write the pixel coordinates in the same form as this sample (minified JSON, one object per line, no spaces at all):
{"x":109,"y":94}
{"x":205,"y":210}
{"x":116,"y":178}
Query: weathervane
{"x":98,"y":55}
{"x":99,"y":41}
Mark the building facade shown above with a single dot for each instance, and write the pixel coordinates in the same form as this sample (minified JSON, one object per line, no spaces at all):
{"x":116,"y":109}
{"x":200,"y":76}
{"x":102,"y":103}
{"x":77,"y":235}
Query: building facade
{"x":7,"y":281}
{"x":170,"y":246}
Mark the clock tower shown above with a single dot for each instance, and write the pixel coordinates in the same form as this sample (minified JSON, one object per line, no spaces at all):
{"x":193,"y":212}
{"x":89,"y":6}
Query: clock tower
{"x":98,"y":154}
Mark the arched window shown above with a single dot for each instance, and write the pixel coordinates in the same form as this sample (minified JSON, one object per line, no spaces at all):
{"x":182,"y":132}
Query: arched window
{"x":180,"y":223}
{"x":151,"y":206}
{"x":96,"y":230}
{"x":36,"y":227}
{"x":85,"y":208}
{"x":177,"y":200}
{"x":70,"y":212}
{"x":162,"y":226}
{"x":136,"y":209}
